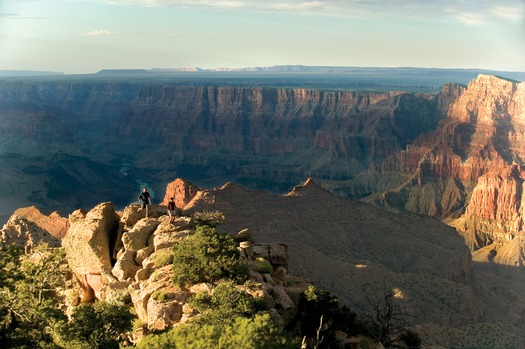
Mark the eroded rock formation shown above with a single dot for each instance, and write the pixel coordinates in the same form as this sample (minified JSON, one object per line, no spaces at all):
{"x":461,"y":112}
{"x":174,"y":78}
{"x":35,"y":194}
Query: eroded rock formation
{"x":28,"y":226}
{"x":469,"y":165}
{"x":494,"y":217}
{"x":182,"y":191}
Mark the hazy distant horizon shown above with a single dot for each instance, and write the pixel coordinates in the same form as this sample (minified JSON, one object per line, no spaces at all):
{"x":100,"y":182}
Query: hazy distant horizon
{"x":255,"y":69}
{"x":86,"y":36}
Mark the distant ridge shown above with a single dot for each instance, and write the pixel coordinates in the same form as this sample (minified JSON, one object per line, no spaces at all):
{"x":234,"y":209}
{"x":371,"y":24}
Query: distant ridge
{"x":324,"y":69}
{"x":380,"y":75}
{"x":9,"y":73}
{"x":123,"y":71}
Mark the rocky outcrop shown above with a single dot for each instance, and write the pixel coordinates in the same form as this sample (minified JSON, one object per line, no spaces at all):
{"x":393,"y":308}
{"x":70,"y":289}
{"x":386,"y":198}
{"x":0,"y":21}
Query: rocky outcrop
{"x":469,"y":171}
{"x":481,"y":131}
{"x":437,"y":174}
{"x":87,"y":246}
{"x":28,"y":227}
{"x":53,"y":223}
{"x":182,"y":191}
{"x":141,"y":273}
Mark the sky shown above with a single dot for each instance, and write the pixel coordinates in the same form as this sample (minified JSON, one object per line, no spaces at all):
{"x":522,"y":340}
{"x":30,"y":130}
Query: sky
{"x":85,"y":36}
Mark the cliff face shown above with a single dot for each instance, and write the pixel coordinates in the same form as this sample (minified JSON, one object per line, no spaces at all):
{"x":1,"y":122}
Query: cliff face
{"x":494,"y":217}
{"x":263,"y":137}
{"x":483,"y":129}
{"x":50,"y":138}
{"x":470,"y":164}
{"x":309,"y":129}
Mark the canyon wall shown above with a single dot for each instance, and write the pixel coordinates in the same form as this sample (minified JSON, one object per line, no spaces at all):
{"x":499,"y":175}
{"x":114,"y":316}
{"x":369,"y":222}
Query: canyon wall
{"x":469,"y":170}
{"x":72,"y":143}
{"x":282,"y":135}
{"x":69,"y":142}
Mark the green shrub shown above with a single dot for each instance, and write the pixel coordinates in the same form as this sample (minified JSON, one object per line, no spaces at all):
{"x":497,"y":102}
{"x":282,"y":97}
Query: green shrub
{"x":207,"y":256}
{"x":163,"y":258}
{"x":165,"y":340}
{"x":226,"y":303}
{"x":210,"y":219}
{"x":160,"y":295}
{"x":137,"y":323}
{"x":230,"y":318}
{"x":243,"y":235}
{"x":261,"y":265}
{"x":257,"y":332}
{"x":315,"y":303}
{"x":31,"y":290}
{"x":97,"y":325}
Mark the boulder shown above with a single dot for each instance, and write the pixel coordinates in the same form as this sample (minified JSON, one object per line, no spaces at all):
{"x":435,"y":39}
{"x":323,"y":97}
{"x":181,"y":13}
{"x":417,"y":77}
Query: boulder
{"x":246,"y":250}
{"x":144,"y":253}
{"x":279,"y":255}
{"x":126,"y":268}
{"x":167,"y":234}
{"x":162,"y":315}
{"x":87,"y":245}
{"x":137,"y":237}
{"x":28,"y":226}
{"x":141,"y":292}
{"x":261,"y":250}
{"x":133,"y":213}
{"x":279,"y":274}
{"x":284,"y":305}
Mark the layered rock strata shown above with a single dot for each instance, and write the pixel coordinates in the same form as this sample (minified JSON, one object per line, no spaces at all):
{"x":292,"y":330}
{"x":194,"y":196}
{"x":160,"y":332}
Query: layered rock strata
{"x":470,"y":167}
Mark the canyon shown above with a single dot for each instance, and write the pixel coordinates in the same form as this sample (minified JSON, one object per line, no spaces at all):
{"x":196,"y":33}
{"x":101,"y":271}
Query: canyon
{"x":456,"y":155}
{"x":368,"y":190}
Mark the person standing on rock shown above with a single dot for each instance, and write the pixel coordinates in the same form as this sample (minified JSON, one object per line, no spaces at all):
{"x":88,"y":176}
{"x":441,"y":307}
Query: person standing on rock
{"x":171,"y":210}
{"x":145,"y":200}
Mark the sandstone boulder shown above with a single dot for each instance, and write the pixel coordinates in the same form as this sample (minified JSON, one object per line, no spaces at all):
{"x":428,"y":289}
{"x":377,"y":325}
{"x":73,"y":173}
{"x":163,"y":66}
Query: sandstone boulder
{"x":284,"y":305}
{"x":87,"y":247}
{"x":87,"y":243}
{"x":54,"y":224}
{"x":137,"y":237}
{"x":125,"y":268}
{"x":167,"y":234}
{"x":133,"y":213}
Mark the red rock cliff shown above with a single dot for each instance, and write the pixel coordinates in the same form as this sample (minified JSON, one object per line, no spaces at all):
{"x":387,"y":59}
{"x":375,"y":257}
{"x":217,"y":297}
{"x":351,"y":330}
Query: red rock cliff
{"x":484,"y":129}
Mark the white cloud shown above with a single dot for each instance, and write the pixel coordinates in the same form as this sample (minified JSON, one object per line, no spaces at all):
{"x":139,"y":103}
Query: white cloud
{"x":468,"y":12}
{"x":99,"y":32}
{"x":226,"y":4}
{"x":303,"y":6}
{"x":470,"y":18}
{"x":104,"y":32}
{"x":508,"y":12}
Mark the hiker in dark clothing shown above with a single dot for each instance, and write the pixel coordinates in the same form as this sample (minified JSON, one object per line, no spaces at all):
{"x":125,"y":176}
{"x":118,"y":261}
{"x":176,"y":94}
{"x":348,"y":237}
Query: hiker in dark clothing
{"x":171,"y":210}
{"x":145,"y":200}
